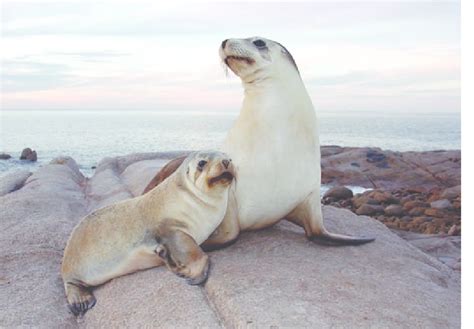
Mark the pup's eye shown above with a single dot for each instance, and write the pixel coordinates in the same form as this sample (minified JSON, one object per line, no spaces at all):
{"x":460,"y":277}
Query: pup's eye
{"x":201,"y":164}
{"x":259,"y":43}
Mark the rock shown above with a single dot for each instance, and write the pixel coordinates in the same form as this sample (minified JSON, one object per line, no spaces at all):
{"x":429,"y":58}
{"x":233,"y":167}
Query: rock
{"x":394,"y":210}
{"x":415,"y":204}
{"x":5,"y":156}
{"x":451,"y":193}
{"x":433,"y":212}
{"x":454,"y":230}
{"x":339,"y":193}
{"x":13,"y":181}
{"x":369,"y":210}
{"x":419,"y":171}
{"x":28,"y":154}
{"x":383,"y":197}
{"x":417,"y":211}
{"x":441,"y":204}
{"x":251,"y":282}
{"x":358,"y":201}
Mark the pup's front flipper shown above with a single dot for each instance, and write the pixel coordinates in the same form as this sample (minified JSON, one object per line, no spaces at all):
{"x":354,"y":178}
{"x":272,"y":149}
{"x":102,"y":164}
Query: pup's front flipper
{"x":79,"y":298}
{"x":184,"y":257}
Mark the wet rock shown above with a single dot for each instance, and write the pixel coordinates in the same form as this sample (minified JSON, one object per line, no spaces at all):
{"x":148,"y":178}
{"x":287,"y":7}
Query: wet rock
{"x":383,"y":197}
{"x":5,"y":156}
{"x":394,"y":210}
{"x":369,"y":210}
{"x":28,"y":154}
{"x":441,"y":204}
{"x":339,"y":193}
{"x":451,"y":193}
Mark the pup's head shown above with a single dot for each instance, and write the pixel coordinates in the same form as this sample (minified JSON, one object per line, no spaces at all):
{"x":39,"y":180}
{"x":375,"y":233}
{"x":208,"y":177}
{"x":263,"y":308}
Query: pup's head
{"x":210,"y":171}
{"x":257,"y":58}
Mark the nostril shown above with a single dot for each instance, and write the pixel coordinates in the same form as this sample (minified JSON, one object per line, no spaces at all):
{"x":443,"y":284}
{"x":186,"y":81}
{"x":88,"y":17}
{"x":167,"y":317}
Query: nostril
{"x":223,"y":43}
{"x":225,"y":163}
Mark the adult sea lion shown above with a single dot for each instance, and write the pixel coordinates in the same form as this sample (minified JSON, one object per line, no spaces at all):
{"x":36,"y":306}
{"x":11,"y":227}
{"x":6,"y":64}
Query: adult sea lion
{"x":275,"y":146}
{"x":165,"y":225}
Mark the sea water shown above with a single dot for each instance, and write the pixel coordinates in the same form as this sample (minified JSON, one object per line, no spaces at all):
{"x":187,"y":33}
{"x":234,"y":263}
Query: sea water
{"x":89,"y":136}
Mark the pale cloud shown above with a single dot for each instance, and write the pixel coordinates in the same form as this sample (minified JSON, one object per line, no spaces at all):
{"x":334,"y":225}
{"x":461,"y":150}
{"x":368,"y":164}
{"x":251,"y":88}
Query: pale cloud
{"x":141,"y":54}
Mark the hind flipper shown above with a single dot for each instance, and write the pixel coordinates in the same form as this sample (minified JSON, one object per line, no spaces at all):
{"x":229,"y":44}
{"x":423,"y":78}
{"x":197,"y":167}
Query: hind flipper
{"x":80,"y":299}
{"x":309,"y":216}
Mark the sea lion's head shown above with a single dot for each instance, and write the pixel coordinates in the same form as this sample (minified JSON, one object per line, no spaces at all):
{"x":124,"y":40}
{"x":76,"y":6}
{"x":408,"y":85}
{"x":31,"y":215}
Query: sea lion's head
{"x":209,"y":171}
{"x":257,"y":58}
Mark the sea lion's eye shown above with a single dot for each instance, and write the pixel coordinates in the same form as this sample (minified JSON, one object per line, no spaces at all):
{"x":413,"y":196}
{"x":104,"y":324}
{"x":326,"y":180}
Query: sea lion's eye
{"x":201,"y":164}
{"x":259,"y":43}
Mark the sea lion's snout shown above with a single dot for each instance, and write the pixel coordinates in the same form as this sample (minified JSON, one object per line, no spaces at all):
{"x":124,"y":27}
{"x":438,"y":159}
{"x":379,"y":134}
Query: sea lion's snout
{"x":223,"y":172}
{"x":224,"y":43}
{"x":226,"y":162}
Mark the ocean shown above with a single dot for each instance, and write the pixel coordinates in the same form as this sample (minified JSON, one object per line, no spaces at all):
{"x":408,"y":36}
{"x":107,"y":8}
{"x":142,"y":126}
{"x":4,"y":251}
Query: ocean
{"x":89,"y":136}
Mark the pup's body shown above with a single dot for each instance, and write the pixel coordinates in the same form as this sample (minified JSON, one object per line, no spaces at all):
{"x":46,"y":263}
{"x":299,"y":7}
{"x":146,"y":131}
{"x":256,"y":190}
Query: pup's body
{"x":164,"y":226}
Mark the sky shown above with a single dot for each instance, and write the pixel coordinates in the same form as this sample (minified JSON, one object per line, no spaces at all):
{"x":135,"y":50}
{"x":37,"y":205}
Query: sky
{"x":390,"y":57}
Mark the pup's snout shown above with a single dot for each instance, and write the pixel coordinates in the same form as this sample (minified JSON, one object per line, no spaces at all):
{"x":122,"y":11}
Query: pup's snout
{"x":223,"y":43}
{"x":226,"y":163}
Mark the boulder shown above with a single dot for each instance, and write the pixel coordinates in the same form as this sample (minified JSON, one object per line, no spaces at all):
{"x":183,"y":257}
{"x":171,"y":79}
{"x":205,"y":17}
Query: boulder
{"x":394,"y":210}
{"x":415,"y":204}
{"x":253,"y":283}
{"x":417,"y":211}
{"x":339,"y":193}
{"x":369,"y":210}
{"x":359,"y":200}
{"x":441,"y":204}
{"x":28,"y":154}
{"x":5,"y":156}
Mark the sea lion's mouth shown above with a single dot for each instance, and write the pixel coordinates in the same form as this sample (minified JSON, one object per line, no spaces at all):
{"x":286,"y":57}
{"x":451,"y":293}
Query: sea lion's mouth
{"x":226,"y":176}
{"x":248,"y":60}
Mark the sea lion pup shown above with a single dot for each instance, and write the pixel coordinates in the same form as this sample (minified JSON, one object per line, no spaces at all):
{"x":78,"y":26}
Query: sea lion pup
{"x":275,"y":147}
{"x":166,"y":225}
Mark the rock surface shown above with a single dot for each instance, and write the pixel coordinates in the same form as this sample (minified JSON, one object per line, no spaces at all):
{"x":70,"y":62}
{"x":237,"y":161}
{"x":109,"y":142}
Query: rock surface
{"x":375,"y":168}
{"x":13,"y":181}
{"x":268,"y":278}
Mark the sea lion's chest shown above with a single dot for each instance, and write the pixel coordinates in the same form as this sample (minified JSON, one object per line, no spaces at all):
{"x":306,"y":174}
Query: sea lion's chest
{"x":277,"y":161}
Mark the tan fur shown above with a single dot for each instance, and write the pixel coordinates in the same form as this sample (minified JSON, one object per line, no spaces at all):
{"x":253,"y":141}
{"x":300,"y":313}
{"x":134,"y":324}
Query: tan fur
{"x":165,"y":225}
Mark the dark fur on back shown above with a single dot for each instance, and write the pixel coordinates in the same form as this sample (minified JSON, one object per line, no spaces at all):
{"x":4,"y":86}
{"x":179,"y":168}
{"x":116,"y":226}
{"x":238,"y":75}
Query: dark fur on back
{"x":289,"y":56}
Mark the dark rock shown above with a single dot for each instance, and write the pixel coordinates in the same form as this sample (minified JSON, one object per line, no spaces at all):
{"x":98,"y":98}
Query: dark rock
{"x":28,"y":154}
{"x":369,"y":210}
{"x":339,"y":193}
{"x":355,"y":164}
{"x":5,"y":156}
{"x":375,"y":156}
{"x":394,"y":210}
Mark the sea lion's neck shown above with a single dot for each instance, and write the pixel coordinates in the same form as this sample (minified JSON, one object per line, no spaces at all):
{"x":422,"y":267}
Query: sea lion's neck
{"x":275,"y":96}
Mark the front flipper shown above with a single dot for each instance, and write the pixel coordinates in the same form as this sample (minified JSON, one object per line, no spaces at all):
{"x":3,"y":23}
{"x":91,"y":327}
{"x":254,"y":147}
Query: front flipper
{"x":183,"y":256}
